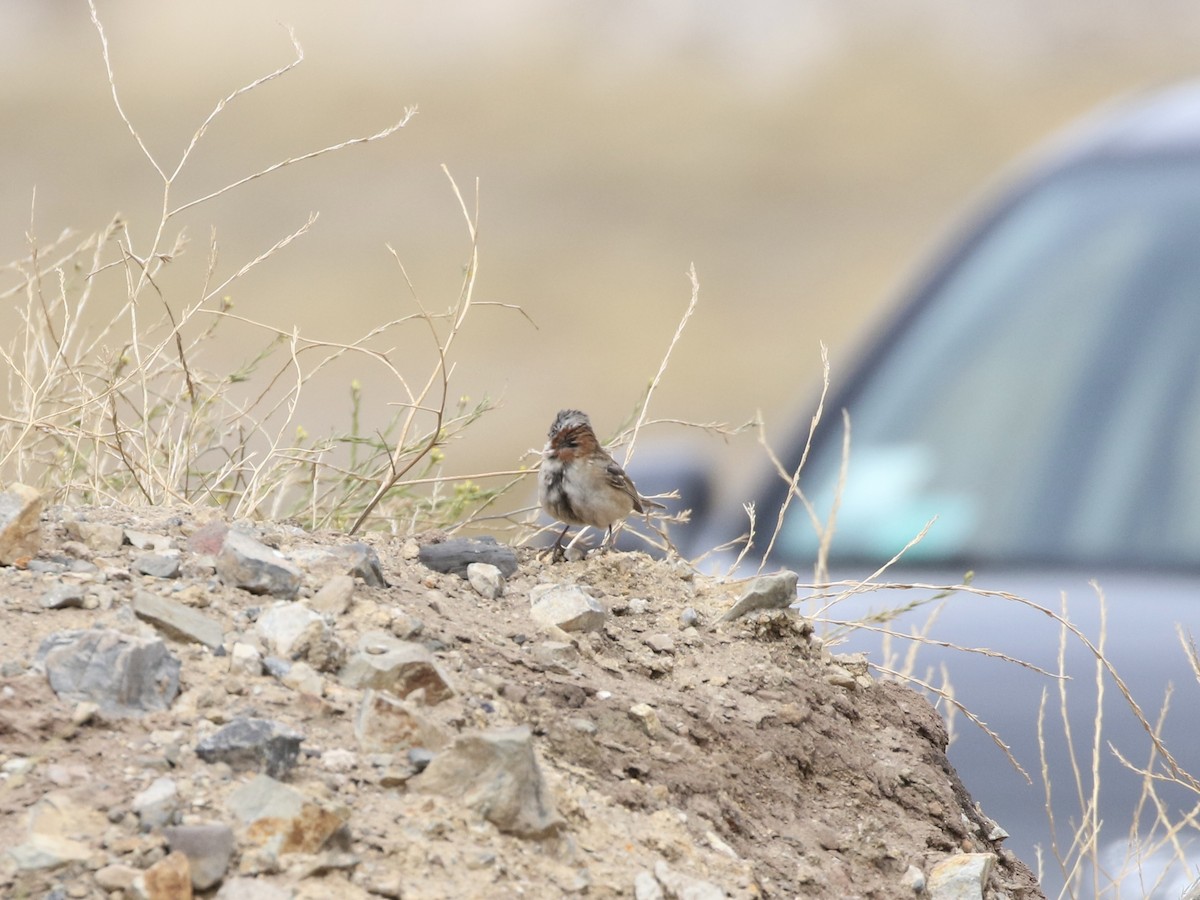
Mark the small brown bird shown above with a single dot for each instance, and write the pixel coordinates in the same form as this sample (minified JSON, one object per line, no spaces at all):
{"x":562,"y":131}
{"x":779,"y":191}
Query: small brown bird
{"x":580,"y":484}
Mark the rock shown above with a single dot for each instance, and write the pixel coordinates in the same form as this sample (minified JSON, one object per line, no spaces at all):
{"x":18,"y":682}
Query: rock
{"x":282,"y":626}
{"x":495,"y":773}
{"x":684,"y":887}
{"x":124,"y":674}
{"x":363,"y":562}
{"x":208,"y":539}
{"x":304,"y":679}
{"x":252,"y":566}
{"x":660,"y":643}
{"x":169,"y":879}
{"x":558,"y":656}
{"x":566,"y":606}
{"x":97,"y":536}
{"x":156,"y":805}
{"x":776,"y":591}
{"x":178,"y":621}
{"x":486,"y":580}
{"x":252,"y":889}
{"x":913,"y":881}
{"x":157,"y":565}
{"x":419,"y":758}
{"x":455,"y":555}
{"x":208,"y":849}
{"x":46,"y":852}
{"x":143,"y":541}
{"x":293,"y":630}
{"x":60,"y":832}
{"x":116,"y":877}
{"x":62,"y":596}
{"x":253,"y":744}
{"x":20,"y":524}
{"x":647,"y":719}
{"x":245,"y":659}
{"x":646,"y":887}
{"x":689,"y":618}
{"x":283,"y":818}
{"x":399,"y":667}
{"x":386,"y":724}
{"x":334,"y":596}
{"x":638,"y":606}
{"x":960,"y":877}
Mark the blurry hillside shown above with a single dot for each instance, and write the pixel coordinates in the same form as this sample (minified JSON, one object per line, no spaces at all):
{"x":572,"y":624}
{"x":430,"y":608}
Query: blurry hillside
{"x":802,"y":154}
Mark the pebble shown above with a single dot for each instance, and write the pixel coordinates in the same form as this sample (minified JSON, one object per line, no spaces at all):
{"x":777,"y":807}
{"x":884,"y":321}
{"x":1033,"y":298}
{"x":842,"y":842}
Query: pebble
{"x":124,"y":674}
{"x":254,"y":744}
{"x":455,"y":555}
{"x":62,"y":596}
{"x":334,"y":596}
{"x":249,"y":564}
{"x":486,"y":579}
{"x":208,"y":848}
{"x":158,"y":565}
{"x":566,"y":606}
{"x":776,"y":591}
{"x":20,"y":523}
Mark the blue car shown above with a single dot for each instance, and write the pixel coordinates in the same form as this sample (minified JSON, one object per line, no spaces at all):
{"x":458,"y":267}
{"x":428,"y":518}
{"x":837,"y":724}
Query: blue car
{"x":1036,"y":397}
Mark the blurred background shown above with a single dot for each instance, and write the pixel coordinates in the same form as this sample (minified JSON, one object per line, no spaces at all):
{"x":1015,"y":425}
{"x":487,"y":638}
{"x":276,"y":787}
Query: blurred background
{"x":804,"y":154}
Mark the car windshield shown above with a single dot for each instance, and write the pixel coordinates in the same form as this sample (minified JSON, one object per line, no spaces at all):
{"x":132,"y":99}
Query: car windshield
{"x":1043,"y":401}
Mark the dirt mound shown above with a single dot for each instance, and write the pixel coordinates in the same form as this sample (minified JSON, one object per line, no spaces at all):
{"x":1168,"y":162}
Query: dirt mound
{"x":734,"y":757}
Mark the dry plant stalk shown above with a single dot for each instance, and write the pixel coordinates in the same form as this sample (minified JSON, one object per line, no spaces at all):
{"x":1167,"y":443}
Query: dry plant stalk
{"x":123,"y":409}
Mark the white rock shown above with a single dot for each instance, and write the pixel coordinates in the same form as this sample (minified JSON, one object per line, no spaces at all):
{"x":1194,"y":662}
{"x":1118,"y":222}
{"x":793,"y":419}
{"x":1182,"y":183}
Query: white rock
{"x":283,"y":624}
{"x":486,"y":580}
{"x":566,"y":606}
{"x":245,"y":659}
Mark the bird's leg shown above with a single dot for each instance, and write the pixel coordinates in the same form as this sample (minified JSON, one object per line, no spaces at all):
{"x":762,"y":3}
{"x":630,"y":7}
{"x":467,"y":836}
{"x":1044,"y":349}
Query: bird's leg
{"x":560,"y":552}
{"x":606,"y":544}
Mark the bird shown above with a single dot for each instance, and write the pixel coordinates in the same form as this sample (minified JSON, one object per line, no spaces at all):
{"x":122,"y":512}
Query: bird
{"x":579,"y":483}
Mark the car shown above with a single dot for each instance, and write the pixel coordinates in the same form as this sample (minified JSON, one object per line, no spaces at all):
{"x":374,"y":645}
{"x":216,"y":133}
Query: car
{"x":1034,"y":399}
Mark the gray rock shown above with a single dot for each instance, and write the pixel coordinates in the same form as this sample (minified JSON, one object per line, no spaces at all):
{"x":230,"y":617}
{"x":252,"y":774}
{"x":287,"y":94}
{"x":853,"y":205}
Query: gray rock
{"x":497,"y":774}
{"x":486,"y":580}
{"x":453,"y":556}
{"x":363,"y":562}
{"x":961,"y":876}
{"x":20,"y":523}
{"x":156,"y":805}
{"x":253,"y":744}
{"x":334,"y":596}
{"x":566,"y":606}
{"x":208,"y":849}
{"x":400,"y":667}
{"x":178,"y":621}
{"x":123,"y":674}
{"x":157,"y":565}
{"x":62,"y":596}
{"x":419,"y":758}
{"x":689,"y":617}
{"x":253,"y":566}
{"x":386,"y":724}
{"x":776,"y":591}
